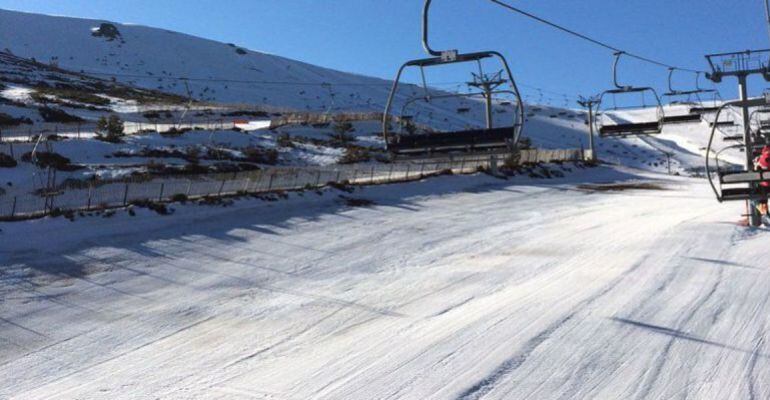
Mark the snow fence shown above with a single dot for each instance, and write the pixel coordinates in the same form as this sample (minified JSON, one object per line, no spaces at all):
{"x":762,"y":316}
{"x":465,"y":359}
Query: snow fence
{"x":100,"y":195}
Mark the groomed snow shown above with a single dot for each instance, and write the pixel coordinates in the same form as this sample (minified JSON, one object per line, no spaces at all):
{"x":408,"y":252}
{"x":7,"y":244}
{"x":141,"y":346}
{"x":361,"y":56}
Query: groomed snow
{"x":456,"y":287}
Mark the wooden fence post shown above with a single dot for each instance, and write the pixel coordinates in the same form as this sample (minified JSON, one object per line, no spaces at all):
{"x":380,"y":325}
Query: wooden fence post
{"x":125,"y":195}
{"x":13,"y":208}
{"x":160,"y":196}
{"x":90,"y":190}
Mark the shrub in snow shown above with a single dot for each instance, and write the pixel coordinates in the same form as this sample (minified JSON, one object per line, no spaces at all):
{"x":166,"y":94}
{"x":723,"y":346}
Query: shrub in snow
{"x":341,"y":132}
{"x":409,"y":126}
{"x":179,"y":198}
{"x":241,"y":51}
{"x":260,"y":155}
{"x":513,"y":161}
{"x":7,"y":120}
{"x":217,"y":154}
{"x":247,"y":113}
{"x":356,"y":202}
{"x":151,"y":115}
{"x":110,"y":129}
{"x":284,"y":140}
{"x":44,"y":94}
{"x":342,"y":186}
{"x":6,"y":161}
{"x":59,"y":116}
{"x":45,"y":159}
{"x":174,"y":132}
{"x":159,"y":208}
{"x":355,"y":154}
{"x":193,"y":154}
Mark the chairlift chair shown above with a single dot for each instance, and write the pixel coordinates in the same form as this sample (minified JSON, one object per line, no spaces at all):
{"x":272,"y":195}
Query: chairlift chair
{"x":760,"y":121}
{"x":730,"y":184}
{"x":683,"y":97}
{"x":608,"y":128}
{"x":705,"y":107}
{"x":409,"y":142}
{"x":728,"y":122}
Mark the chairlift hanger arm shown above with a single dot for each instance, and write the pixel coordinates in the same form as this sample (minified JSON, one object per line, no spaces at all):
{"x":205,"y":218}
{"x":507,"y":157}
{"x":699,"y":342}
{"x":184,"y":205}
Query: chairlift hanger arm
{"x":671,"y":78}
{"x":615,"y":72}
{"x":446,"y":54}
{"x":618,"y":87}
{"x":697,"y":83}
{"x":767,"y":13}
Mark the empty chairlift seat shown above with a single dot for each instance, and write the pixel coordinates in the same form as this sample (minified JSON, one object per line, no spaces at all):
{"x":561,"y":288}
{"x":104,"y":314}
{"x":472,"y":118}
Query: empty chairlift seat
{"x":691,"y":97}
{"x":644,"y":128}
{"x":703,"y":110}
{"x":681,"y":119}
{"x":609,"y":128}
{"x":467,"y":140}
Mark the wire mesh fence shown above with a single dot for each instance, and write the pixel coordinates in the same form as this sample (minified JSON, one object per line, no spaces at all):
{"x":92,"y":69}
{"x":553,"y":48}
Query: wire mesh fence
{"x":87,"y":129}
{"x":112,"y":194}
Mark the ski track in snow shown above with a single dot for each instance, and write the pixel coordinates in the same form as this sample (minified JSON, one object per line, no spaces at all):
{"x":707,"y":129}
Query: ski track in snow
{"x":453,"y":288}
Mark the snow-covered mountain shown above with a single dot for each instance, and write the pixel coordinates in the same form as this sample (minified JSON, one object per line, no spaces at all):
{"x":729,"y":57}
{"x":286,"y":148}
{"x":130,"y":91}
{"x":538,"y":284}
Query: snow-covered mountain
{"x":222,"y":73}
{"x":155,"y":58}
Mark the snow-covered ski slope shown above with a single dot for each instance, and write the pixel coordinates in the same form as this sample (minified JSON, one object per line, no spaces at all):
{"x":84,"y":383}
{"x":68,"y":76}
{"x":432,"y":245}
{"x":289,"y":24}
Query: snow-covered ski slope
{"x":453,"y":288}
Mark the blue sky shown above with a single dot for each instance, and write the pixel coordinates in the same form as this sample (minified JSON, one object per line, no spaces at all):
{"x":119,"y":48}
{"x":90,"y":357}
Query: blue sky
{"x":374,"y":37}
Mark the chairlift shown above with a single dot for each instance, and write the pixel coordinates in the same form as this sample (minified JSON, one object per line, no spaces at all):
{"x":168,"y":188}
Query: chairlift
{"x":702,"y":108}
{"x":412,"y":139}
{"x":732,"y":184}
{"x":760,"y":121}
{"x":729,"y":122}
{"x":689,"y":98}
{"x":609,"y":128}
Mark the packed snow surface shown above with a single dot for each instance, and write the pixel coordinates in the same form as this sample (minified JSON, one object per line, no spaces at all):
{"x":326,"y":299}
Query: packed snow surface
{"x":453,"y":288}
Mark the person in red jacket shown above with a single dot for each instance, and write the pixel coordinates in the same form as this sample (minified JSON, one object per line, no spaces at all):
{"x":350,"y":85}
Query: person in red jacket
{"x":762,"y":163}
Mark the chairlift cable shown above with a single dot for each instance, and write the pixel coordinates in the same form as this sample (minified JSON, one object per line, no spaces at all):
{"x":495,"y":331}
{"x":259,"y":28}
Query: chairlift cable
{"x":589,"y":39}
